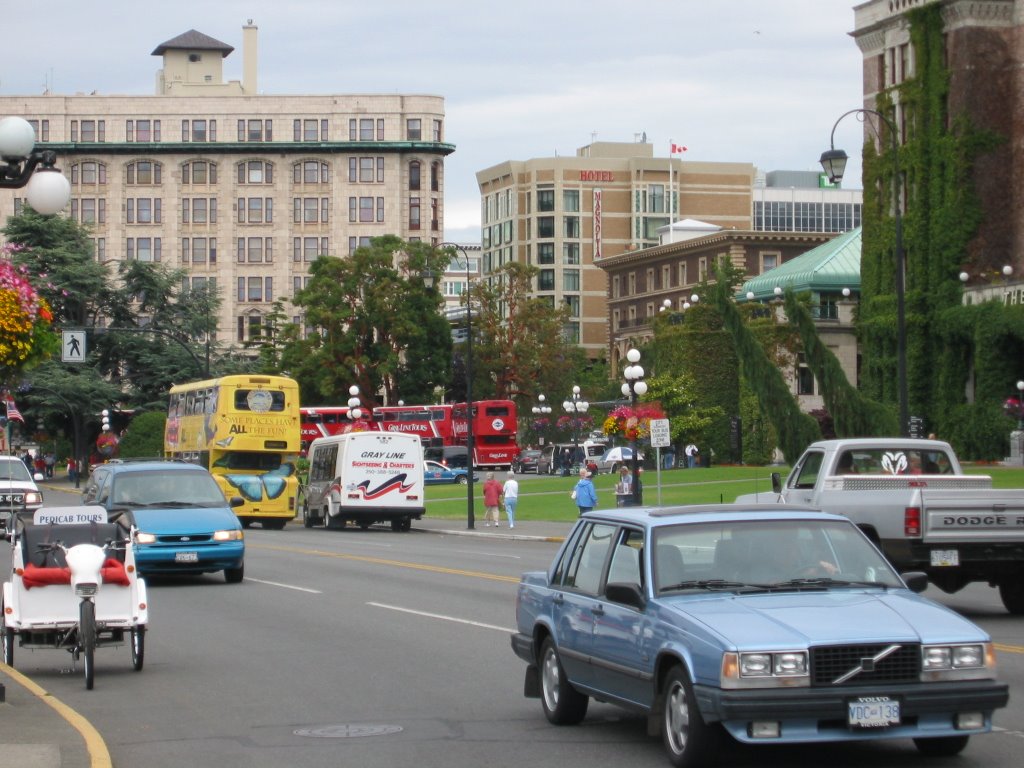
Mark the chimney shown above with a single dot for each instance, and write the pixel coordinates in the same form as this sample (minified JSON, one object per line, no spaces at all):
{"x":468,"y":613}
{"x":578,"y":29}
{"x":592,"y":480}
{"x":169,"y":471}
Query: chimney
{"x":249,"y":57}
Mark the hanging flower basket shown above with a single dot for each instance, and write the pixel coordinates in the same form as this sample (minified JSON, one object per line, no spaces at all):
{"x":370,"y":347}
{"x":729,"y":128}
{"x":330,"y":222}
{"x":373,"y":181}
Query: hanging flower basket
{"x":632,"y":423}
{"x":25,"y":317}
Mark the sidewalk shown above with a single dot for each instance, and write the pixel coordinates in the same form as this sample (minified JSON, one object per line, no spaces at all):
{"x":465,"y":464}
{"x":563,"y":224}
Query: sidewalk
{"x":39,"y":731}
{"x":525,"y":530}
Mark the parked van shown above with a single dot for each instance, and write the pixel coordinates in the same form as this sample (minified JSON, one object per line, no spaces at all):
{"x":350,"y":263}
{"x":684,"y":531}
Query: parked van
{"x":552,"y":456}
{"x":364,"y":478}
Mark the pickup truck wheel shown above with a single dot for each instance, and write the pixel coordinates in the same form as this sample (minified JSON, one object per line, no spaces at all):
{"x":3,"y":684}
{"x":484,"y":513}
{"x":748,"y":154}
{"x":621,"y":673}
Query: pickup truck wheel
{"x":563,"y":704}
{"x":8,"y":646}
{"x":307,"y":521}
{"x":1012,"y":594}
{"x":942,"y":746}
{"x":688,"y":739}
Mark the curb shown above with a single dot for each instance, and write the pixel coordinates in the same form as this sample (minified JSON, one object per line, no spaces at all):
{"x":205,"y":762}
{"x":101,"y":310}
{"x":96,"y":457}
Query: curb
{"x":481,"y":534}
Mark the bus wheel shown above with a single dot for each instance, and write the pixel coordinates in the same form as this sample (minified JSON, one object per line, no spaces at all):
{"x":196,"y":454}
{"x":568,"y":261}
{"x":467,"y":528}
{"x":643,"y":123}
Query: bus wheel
{"x":245,"y":521}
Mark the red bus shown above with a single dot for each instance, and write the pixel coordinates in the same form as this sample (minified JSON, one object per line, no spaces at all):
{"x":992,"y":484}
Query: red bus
{"x":437,"y":426}
{"x":494,"y":432}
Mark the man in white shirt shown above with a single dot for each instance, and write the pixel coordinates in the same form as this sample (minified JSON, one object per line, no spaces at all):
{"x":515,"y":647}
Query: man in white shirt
{"x":511,"y":493}
{"x":691,"y":455}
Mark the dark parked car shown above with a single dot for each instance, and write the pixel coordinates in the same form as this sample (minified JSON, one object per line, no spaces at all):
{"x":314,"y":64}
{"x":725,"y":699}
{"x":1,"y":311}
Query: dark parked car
{"x":527,"y":461}
{"x":766,"y":625}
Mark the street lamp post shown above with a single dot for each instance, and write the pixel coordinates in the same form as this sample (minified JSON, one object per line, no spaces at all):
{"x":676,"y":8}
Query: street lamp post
{"x":470,"y":517}
{"x":540,"y":411}
{"x":575,"y":406}
{"x":47,"y":190}
{"x":1020,"y":406}
{"x":833,"y":162}
{"x":634,"y":387}
{"x":354,"y":411}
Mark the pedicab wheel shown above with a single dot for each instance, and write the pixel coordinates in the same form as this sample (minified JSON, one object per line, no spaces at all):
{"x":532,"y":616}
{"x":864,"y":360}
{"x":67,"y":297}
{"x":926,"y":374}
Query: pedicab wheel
{"x":9,"y":646}
{"x":87,"y":640}
{"x":138,"y":642}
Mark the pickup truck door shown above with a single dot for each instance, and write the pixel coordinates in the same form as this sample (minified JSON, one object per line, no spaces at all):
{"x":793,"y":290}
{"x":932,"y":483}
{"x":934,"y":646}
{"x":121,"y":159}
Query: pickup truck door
{"x":803,"y":480}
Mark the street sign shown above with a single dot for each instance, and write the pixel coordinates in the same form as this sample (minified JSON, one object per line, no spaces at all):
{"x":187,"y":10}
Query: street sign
{"x":660,"y":433}
{"x":72,"y":347}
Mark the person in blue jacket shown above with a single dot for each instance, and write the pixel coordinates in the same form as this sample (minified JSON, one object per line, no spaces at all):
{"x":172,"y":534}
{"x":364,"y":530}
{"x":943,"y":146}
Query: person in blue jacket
{"x":585,"y":494}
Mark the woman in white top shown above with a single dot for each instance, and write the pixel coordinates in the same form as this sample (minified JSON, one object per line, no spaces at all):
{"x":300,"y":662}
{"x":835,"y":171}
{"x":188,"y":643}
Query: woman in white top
{"x":511,"y":493}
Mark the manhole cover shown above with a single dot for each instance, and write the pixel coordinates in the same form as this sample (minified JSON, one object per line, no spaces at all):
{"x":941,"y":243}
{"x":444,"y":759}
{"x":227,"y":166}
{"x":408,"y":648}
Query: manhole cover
{"x":347,"y":731}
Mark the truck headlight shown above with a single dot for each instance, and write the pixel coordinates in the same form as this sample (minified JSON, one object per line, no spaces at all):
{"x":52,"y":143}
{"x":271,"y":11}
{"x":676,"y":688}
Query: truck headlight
{"x":33,"y":497}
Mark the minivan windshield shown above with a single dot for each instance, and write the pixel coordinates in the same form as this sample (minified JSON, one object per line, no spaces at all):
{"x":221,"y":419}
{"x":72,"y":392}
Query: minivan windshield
{"x":166,"y":488}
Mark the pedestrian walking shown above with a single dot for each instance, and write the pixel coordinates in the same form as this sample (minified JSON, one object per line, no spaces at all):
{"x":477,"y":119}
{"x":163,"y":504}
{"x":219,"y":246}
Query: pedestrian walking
{"x":692,"y":451}
{"x":510,"y":491}
{"x":72,"y":469}
{"x":492,"y":501}
{"x":566,"y":462}
{"x":585,"y":494}
{"x":50,"y":460}
{"x":624,"y":488}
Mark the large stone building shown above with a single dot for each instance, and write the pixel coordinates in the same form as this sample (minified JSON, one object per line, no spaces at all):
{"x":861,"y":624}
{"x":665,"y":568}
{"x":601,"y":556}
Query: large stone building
{"x":241,"y":189}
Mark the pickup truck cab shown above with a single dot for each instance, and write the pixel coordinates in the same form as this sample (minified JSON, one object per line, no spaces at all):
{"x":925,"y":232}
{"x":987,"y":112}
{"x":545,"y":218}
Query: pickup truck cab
{"x":912,"y":499}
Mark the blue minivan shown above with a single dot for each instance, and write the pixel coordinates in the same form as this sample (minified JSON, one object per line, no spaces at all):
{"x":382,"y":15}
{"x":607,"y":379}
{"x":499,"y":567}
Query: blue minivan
{"x":185,"y":525}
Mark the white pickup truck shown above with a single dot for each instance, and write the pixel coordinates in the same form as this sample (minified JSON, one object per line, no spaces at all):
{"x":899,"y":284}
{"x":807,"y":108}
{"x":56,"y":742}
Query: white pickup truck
{"x":911,"y":498}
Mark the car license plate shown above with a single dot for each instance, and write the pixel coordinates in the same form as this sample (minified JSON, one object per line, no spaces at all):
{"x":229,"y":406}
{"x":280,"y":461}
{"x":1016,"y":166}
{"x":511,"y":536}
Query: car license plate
{"x":945,"y":557}
{"x":186,"y":557}
{"x":873,"y":712}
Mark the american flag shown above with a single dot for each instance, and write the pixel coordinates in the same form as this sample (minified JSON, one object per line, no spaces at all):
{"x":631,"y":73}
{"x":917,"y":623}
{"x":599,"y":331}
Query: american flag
{"x":12,"y":410}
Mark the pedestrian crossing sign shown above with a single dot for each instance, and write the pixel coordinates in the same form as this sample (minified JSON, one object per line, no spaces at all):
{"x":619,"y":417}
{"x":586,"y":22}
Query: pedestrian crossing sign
{"x":72,"y":347}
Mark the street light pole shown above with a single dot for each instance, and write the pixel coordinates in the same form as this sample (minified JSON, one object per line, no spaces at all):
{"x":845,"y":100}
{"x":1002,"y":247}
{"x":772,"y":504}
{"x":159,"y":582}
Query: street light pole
{"x":634,"y":388}
{"x":834,"y":163}
{"x":574,"y":405}
{"x":470,"y":517}
{"x":540,"y":411}
{"x":48,"y":191}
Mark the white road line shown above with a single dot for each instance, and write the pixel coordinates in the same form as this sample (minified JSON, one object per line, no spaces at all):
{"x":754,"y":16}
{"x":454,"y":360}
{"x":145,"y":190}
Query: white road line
{"x":442,"y":617}
{"x":285,"y":586}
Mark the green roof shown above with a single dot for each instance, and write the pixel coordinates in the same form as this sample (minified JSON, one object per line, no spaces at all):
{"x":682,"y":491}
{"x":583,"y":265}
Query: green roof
{"x":828,"y":268}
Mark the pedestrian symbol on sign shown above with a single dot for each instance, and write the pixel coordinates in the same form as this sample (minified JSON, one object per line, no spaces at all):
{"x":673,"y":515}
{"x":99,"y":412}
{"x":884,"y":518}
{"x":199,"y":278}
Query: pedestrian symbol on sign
{"x":72,"y":347}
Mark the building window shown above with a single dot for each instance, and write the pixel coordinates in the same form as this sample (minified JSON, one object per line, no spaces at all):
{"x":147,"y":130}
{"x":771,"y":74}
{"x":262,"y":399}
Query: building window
{"x":255,"y":172}
{"x":545,"y":226}
{"x":87,"y":210}
{"x":570,"y":253}
{"x":573,"y":303}
{"x":435,"y":218}
{"x":255,"y":250}
{"x":570,"y":280}
{"x":545,"y":253}
{"x":89,"y":131}
{"x":255,"y":210}
{"x":199,"y":210}
{"x":414,"y":213}
{"x":545,"y":199}
{"x":311,"y":172}
{"x":769,"y":261}
{"x":435,"y":177}
{"x":308,"y":248}
{"x":414,"y":129}
{"x":546,"y":280}
{"x":143,"y":172}
{"x":414,"y":176}
{"x":199,"y":172}
{"x":571,"y":225}
{"x":41,"y":128}
{"x":88,"y":173}
{"x":571,"y":200}
{"x":199,"y":130}
{"x":438,"y":125}
{"x":310,"y":210}
{"x":682,"y":275}
{"x":142,"y":130}
{"x":804,"y":379}
{"x":143,"y":210}
{"x":143,"y":249}
{"x":199,"y":250}
{"x":255,"y":130}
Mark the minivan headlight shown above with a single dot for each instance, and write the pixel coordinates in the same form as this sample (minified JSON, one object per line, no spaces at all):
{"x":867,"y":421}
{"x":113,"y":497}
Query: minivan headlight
{"x":229,"y":535}
{"x":145,"y":538}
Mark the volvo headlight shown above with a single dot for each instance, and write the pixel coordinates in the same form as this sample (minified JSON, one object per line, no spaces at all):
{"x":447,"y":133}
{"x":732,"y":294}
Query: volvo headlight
{"x":768,"y":669}
{"x":957,"y":662}
{"x":230,"y":535}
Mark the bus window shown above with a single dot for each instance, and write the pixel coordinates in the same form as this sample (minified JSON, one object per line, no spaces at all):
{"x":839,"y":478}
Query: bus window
{"x":251,"y":460}
{"x":242,"y":400}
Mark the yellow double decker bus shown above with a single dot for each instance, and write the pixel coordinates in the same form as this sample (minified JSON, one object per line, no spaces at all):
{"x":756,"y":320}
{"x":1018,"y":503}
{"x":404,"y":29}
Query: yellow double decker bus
{"x":245,"y":430}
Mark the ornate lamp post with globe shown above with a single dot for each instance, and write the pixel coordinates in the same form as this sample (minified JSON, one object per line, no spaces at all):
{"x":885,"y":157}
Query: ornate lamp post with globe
{"x":575,"y":406}
{"x":634,"y":387}
{"x":540,"y":417}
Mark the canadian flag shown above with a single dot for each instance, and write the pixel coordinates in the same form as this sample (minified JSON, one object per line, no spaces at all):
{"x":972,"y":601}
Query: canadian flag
{"x":676,"y":149}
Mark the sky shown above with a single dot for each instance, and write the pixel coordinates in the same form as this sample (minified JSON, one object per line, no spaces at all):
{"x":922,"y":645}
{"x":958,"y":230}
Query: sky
{"x":732,"y":80}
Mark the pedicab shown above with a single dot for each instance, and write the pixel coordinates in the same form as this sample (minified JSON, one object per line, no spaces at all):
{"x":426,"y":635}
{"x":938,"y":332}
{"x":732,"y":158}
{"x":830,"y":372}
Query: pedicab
{"x":74,"y":586}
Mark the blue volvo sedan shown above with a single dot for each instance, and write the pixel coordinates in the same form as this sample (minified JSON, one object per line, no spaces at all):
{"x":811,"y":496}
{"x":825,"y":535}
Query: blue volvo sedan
{"x":766,"y":624}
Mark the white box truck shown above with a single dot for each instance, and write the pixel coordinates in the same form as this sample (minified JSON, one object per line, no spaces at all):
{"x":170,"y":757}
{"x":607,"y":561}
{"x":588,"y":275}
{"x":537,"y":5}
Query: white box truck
{"x":364,"y":478}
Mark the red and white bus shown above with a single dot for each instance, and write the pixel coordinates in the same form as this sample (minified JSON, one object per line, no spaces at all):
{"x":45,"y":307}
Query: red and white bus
{"x":494,"y":432}
{"x":437,"y":426}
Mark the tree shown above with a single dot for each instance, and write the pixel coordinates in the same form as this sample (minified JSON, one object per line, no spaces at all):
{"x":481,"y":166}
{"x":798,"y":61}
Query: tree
{"x":377,"y":325}
{"x":145,"y":435}
{"x":518,"y":339}
{"x":677,"y":394}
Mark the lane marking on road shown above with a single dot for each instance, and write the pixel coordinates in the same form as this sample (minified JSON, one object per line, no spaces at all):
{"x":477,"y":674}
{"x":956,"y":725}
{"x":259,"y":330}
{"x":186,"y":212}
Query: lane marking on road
{"x":393,"y":563}
{"x":1008,"y":648}
{"x":286,"y":586}
{"x":441,"y":617}
{"x":488,"y":554}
